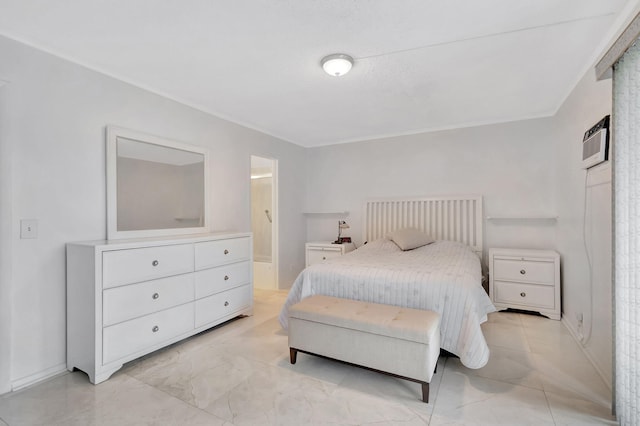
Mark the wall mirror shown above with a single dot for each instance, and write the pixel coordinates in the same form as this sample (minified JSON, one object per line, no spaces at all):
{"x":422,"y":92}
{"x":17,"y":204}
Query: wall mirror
{"x":155,"y":187}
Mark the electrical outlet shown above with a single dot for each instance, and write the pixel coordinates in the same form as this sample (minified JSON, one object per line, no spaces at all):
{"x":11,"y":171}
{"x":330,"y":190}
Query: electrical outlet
{"x":28,"y":228}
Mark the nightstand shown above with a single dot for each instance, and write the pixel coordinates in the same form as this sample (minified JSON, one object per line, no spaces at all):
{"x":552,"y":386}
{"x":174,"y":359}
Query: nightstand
{"x":525,"y":279}
{"x":319,"y":252}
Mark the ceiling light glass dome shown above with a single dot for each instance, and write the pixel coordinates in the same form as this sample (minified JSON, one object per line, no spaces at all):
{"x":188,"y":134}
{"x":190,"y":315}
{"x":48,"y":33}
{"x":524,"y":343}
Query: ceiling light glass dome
{"x":337,"y":64}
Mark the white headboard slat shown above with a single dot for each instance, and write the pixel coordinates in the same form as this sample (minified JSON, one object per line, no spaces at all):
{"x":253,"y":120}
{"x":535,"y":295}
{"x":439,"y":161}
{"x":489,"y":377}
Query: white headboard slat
{"x":456,"y":218}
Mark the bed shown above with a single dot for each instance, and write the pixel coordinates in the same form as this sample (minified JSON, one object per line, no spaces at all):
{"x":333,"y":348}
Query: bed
{"x":444,"y":276}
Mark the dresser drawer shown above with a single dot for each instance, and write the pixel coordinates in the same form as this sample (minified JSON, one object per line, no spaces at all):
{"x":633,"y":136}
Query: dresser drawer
{"x":215,"y":253}
{"x":135,"y":265}
{"x":136,"y":300}
{"x":222,"y":304}
{"x":527,"y":295}
{"x":528,"y":270}
{"x":214,"y":280}
{"x":138,"y":334}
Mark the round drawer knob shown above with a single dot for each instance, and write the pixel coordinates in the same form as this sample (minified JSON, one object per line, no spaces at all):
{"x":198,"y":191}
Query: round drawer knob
{"x":155,"y":329}
{"x":155,"y":296}
{"x":522,"y":271}
{"x":226,"y":277}
{"x":324,"y":258}
{"x":226,"y":303}
{"x":226,"y":251}
{"x":155,"y":263}
{"x":523,"y":294}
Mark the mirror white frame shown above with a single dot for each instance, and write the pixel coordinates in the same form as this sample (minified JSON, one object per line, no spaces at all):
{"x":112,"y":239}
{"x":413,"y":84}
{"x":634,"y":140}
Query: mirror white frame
{"x":113,"y":230}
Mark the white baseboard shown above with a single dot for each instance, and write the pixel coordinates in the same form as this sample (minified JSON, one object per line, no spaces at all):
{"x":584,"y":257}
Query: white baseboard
{"x":38,"y":377}
{"x":605,"y":377}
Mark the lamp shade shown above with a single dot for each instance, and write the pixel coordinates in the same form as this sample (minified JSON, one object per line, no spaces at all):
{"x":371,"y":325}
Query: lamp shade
{"x":337,"y":64}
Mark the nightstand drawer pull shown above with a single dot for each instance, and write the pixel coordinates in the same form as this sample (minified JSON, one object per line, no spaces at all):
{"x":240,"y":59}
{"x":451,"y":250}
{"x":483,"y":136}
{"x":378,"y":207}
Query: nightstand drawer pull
{"x":226,"y":277}
{"x":226,"y":251}
{"x":155,"y":296}
{"x":226,"y":303}
{"x":155,"y":263}
{"x":522,"y":271}
{"x":155,"y":329}
{"x":523,"y":294}
{"x":324,"y":257}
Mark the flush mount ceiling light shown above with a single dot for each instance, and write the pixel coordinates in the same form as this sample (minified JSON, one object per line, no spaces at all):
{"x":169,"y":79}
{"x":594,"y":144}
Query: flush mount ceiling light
{"x":337,"y":64}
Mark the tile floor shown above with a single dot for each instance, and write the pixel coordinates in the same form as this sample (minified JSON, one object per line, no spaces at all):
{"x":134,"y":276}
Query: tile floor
{"x":239,"y":374}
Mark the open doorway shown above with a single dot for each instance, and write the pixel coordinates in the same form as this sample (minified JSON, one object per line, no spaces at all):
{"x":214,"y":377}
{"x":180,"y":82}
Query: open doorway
{"x":264,"y":222}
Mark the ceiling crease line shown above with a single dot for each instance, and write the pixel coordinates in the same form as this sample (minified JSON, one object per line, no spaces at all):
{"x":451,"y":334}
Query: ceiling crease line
{"x":445,"y":43}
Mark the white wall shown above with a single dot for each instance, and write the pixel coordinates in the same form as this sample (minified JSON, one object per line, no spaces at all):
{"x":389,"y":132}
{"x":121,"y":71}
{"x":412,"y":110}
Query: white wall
{"x":5,"y":246}
{"x":587,"y":104}
{"x":57,"y":113}
{"x":512,"y":165}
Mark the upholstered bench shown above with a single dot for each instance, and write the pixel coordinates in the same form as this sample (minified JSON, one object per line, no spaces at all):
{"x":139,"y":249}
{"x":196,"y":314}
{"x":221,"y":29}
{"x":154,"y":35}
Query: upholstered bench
{"x":401,"y":342}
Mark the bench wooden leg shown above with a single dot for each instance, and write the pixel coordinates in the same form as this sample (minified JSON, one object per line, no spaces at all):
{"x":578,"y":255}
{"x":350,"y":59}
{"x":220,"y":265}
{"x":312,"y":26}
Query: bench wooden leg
{"x":293,"y":355}
{"x":425,"y":392}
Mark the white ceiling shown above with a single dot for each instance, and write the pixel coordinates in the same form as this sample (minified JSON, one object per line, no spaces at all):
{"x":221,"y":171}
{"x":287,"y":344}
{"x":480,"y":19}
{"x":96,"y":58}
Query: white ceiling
{"x":420,"y":65}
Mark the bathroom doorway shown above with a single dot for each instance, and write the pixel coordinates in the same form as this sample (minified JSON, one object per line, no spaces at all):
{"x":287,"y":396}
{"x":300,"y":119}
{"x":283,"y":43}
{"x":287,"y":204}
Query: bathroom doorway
{"x":264,"y":222}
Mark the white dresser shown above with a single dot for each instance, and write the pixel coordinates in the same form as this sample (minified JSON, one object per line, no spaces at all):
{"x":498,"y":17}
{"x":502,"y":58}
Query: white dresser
{"x":130,"y":297}
{"x":525,"y":279}
{"x":319,"y":252}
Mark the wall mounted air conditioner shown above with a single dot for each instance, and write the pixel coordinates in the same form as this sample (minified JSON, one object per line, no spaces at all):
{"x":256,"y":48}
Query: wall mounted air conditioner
{"x":595,"y":144}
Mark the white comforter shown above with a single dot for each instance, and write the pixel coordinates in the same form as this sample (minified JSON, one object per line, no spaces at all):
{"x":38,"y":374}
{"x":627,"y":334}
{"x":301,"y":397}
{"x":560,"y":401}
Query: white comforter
{"x":442,"y":277}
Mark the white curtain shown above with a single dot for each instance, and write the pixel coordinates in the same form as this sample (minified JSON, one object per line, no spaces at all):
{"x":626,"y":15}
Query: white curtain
{"x":626,"y":118}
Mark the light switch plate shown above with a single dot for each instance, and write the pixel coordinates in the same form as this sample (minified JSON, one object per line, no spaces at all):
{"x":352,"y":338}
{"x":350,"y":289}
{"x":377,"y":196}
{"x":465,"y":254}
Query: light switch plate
{"x":28,"y":228}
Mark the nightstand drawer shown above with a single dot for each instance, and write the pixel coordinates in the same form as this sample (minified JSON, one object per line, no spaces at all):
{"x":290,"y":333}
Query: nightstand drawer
{"x":320,"y":255}
{"x":320,"y":252}
{"x":527,"y":271}
{"x":527,"y":295}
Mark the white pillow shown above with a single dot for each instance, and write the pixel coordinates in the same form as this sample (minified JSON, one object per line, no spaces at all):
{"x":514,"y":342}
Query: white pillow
{"x":409,"y":238}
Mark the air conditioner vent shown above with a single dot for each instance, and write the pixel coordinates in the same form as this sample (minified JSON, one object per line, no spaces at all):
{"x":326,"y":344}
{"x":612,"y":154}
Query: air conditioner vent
{"x":595,"y":144}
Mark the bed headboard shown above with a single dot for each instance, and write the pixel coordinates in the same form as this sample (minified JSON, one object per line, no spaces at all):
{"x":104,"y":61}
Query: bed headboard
{"x":455,"y":218}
